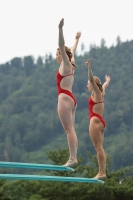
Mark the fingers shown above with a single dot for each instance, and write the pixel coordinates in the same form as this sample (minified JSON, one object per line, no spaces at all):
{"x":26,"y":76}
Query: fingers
{"x":61,"y":22}
{"x":88,"y":63}
{"x":107,"y":77}
{"x":78,"y":35}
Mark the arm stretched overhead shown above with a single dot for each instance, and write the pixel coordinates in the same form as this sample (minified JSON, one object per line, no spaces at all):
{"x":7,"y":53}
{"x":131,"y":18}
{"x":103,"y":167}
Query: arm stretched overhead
{"x":105,"y":85}
{"x":91,"y":78}
{"x":61,"y":43}
{"x":74,"y":47}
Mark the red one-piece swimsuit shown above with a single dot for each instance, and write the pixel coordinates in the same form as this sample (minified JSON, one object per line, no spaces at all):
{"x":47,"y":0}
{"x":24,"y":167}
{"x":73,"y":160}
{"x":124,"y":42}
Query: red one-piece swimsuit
{"x":59,"y":77}
{"x":91,"y":103}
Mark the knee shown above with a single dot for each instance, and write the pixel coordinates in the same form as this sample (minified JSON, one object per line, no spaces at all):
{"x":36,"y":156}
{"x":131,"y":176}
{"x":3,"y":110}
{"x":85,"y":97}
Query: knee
{"x":68,"y":130}
{"x":98,"y":147}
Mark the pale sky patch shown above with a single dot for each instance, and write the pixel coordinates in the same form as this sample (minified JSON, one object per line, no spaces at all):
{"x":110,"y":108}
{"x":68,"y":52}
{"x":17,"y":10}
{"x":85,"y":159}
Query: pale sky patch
{"x":30,"y":27}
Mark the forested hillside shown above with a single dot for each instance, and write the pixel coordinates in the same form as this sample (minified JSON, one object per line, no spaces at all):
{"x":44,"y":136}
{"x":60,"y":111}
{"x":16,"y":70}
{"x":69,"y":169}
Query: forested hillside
{"x":29,"y":124}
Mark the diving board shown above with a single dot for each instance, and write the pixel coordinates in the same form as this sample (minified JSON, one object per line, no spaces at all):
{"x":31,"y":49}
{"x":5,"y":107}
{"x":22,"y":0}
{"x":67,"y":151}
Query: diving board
{"x":35,"y":166}
{"x":48,"y":178}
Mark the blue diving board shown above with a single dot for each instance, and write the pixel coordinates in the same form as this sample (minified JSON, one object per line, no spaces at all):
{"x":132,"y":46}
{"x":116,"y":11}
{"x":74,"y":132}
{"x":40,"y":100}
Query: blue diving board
{"x":48,"y":178}
{"x":35,"y":166}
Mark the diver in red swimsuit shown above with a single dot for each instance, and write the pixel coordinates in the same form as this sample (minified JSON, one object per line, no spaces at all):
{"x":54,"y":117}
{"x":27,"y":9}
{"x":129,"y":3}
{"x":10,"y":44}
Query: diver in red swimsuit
{"x":66,"y":101}
{"x":97,"y":123}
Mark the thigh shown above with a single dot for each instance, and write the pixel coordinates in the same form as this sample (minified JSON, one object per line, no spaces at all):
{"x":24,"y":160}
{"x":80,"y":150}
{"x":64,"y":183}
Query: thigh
{"x":65,"y":112}
{"x":96,"y":131}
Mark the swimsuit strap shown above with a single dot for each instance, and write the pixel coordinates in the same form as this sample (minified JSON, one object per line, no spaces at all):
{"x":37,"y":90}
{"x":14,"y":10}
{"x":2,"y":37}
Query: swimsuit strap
{"x":65,"y":75}
{"x":96,"y":102}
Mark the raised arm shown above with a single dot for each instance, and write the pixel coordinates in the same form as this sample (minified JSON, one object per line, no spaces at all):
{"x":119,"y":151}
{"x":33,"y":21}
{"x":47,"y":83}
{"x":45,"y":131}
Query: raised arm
{"x":74,"y":47}
{"x":61,"y":43}
{"x":105,"y":85}
{"x":91,"y":78}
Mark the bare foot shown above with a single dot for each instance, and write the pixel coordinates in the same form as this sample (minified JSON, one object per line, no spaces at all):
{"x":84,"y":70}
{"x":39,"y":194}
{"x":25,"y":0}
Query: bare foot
{"x":71,"y":163}
{"x":100,"y":176}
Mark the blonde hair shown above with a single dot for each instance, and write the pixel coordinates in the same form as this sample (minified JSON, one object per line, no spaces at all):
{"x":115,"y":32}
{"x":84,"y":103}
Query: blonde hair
{"x":99,"y":84}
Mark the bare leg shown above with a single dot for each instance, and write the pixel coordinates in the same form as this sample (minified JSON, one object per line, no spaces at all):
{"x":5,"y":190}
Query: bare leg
{"x":66,"y":112}
{"x":72,"y":142}
{"x":97,"y":135}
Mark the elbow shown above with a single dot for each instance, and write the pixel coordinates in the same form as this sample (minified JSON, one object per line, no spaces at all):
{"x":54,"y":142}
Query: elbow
{"x":61,"y":44}
{"x":91,"y":79}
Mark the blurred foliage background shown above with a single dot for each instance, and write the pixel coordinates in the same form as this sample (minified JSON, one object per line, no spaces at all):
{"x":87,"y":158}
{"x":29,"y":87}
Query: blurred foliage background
{"x":29,"y":124}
